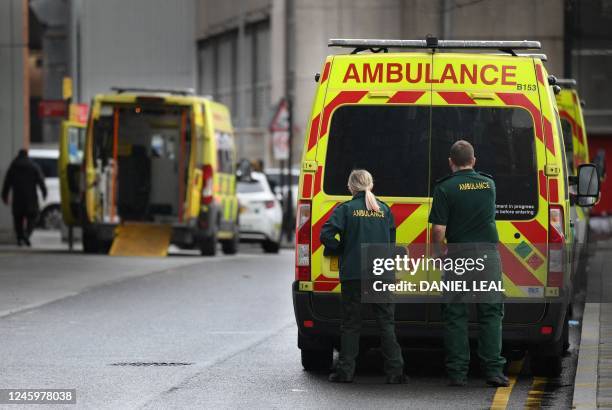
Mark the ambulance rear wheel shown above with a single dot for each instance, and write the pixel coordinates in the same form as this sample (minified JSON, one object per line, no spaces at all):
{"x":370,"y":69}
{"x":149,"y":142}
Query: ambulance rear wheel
{"x":90,"y":241}
{"x":230,"y":246}
{"x":317,"y":360}
{"x":208,"y":246}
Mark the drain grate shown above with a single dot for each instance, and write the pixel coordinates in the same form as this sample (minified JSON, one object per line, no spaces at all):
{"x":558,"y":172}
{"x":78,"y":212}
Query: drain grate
{"x":150,"y":364}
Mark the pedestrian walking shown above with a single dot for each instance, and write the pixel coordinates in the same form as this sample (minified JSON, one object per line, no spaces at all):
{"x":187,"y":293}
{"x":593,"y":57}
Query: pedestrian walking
{"x":22,"y":178}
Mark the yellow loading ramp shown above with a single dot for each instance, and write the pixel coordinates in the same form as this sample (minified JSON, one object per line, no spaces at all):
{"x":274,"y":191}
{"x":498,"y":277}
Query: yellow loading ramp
{"x":141,"y":239}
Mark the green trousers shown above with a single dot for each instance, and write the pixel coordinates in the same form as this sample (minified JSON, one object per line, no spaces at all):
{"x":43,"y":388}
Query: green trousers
{"x":351,"y":331}
{"x":456,"y":341}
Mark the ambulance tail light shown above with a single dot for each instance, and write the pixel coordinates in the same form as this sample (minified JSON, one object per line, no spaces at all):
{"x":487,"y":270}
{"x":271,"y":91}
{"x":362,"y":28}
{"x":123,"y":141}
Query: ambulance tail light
{"x":302,"y":241}
{"x":556,"y":243}
{"x":207,"y":184}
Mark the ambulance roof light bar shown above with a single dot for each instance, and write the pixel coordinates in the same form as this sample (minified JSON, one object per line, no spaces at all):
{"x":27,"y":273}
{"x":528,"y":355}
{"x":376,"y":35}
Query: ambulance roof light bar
{"x":433,"y":43}
{"x":121,"y":90}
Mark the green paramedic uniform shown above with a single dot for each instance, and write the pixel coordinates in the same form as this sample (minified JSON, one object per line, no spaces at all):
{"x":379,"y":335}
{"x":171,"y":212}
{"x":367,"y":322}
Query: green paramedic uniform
{"x":356,"y":226}
{"x":464,"y":202}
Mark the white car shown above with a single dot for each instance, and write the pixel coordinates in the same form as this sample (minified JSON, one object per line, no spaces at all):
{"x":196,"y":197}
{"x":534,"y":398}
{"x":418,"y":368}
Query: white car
{"x":260,"y":213}
{"x":50,"y":208}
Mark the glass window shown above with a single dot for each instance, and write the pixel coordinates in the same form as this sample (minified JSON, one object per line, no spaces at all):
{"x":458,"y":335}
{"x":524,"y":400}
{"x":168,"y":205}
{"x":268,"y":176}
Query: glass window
{"x":564,"y":156}
{"x":504,"y":145}
{"x":568,"y":143}
{"x":391,"y":142}
{"x":248,"y":187}
{"x":225,"y":159}
{"x":47,"y":165}
{"x":218,"y":72}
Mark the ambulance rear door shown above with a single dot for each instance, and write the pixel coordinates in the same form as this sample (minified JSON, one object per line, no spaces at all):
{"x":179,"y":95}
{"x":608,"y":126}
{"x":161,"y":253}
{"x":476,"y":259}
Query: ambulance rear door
{"x":376,"y":117}
{"x":72,"y":143}
{"x":492,"y":102}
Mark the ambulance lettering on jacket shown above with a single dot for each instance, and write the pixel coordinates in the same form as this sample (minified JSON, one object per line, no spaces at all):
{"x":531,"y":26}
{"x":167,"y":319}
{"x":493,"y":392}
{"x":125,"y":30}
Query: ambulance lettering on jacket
{"x":466,"y":186}
{"x":487,"y":74}
{"x":364,"y":213}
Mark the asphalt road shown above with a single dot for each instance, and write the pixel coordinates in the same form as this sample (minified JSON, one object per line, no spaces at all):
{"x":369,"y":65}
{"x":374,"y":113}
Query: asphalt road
{"x":192,"y":332}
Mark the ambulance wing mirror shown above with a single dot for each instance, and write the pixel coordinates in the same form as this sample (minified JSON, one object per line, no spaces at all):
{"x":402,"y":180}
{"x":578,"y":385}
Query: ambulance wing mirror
{"x":587,"y":185}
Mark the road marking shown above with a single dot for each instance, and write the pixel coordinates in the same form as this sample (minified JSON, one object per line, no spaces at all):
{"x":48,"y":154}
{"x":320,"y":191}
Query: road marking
{"x":502,"y":394}
{"x":534,"y":398}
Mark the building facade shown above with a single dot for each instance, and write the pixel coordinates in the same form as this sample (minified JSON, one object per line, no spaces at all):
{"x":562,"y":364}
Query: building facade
{"x":252,"y":54}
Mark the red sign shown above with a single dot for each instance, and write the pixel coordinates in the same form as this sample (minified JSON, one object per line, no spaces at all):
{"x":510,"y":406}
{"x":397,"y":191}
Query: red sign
{"x":279,"y":127}
{"x":52,"y":108}
{"x":79,"y":112}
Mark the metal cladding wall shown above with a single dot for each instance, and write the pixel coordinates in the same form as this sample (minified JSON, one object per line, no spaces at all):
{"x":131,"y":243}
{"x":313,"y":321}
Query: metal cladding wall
{"x":14,"y":108}
{"x":136,"y":43}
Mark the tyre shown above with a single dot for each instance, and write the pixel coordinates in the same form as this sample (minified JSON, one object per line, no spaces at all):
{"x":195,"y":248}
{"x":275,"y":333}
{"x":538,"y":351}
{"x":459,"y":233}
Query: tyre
{"x":208,"y":246}
{"x":565,"y":335}
{"x":551,"y":365}
{"x":90,"y":241}
{"x":270,"y":246}
{"x":317,"y":360}
{"x":230,"y":246}
{"x":51,"y":218}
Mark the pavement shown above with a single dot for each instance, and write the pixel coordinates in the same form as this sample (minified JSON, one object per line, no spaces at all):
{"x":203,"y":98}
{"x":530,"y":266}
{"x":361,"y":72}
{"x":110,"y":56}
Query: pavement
{"x":593,"y":384}
{"x":193,"y":332}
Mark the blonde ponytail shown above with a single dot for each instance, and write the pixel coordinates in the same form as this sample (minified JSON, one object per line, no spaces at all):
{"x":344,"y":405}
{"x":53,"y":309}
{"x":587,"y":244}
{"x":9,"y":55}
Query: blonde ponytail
{"x":361,"y":180}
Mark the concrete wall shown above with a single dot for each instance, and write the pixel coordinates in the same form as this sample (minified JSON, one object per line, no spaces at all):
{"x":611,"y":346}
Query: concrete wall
{"x":214,"y":16}
{"x":318,"y":20}
{"x":136,"y":43}
{"x":14,"y":109}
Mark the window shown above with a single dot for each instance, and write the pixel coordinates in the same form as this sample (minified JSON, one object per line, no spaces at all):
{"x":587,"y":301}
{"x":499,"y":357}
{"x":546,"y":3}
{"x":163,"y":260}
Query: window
{"x":564,"y":156}
{"x":406,"y":149}
{"x":391,"y":142}
{"x":568,"y":143}
{"x":47,"y":165}
{"x":258,"y":84}
{"x":218,"y":68}
{"x":248,"y":187}
{"x":225,"y":158}
{"x":242,"y":82}
{"x":504,"y":145}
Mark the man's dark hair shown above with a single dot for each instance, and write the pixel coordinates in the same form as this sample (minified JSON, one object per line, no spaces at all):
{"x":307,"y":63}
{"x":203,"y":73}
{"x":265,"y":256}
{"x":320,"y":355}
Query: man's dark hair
{"x":462,"y":153}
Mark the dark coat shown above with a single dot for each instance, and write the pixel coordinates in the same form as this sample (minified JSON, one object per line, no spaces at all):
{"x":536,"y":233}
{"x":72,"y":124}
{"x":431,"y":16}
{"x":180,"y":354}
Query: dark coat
{"x":356,"y":226}
{"x":22,"y":178}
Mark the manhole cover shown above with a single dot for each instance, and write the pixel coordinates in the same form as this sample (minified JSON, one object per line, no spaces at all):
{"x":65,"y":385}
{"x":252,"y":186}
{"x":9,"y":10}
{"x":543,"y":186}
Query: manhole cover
{"x":149,"y":364}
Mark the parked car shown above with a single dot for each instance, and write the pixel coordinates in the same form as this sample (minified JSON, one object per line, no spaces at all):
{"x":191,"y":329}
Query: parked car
{"x":260,"y":212}
{"x":51,"y":213}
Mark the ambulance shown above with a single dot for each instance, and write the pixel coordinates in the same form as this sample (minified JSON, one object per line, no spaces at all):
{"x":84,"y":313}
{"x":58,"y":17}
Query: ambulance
{"x":396,"y":114}
{"x":577,"y":153}
{"x":150,"y":168}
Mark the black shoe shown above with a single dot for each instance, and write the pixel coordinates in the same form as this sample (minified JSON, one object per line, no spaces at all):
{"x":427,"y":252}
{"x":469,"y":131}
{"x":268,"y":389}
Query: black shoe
{"x":457,"y":382}
{"x":396,"y":379}
{"x":27,"y":242}
{"x":498,"y":380}
{"x":19,"y":242}
{"x":339,"y":378}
